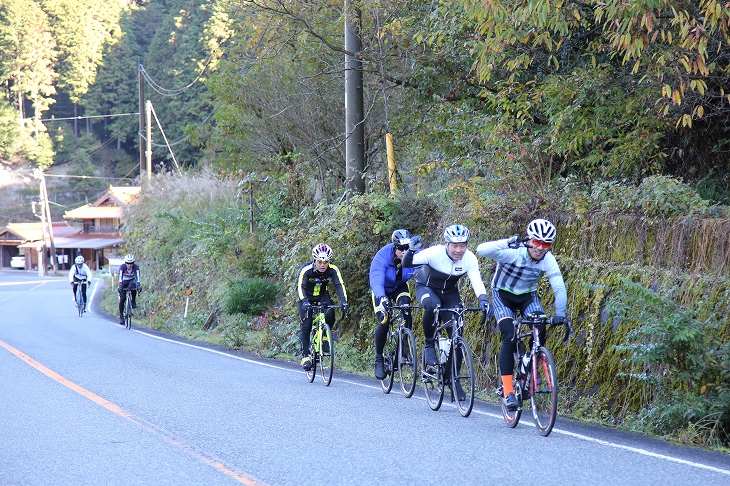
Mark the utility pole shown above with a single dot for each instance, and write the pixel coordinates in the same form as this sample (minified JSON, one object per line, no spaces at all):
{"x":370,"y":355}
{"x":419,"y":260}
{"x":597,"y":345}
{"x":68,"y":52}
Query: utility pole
{"x":50,"y":224}
{"x":354,"y":129}
{"x":141,"y":118}
{"x":148,"y":151}
{"x":45,"y":220}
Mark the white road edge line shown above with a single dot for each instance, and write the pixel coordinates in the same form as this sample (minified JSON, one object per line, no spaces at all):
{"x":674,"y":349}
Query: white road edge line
{"x":558,"y":431}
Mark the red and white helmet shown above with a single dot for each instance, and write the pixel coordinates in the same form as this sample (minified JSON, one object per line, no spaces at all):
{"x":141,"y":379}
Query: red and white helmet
{"x":322,"y":252}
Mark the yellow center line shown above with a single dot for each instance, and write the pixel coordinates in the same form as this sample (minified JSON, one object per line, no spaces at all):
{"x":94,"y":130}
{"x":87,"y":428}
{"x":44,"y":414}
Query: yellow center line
{"x":241,"y":478}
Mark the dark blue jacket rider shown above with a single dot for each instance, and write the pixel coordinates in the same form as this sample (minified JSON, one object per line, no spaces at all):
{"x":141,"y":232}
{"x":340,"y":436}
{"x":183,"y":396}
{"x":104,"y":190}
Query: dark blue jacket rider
{"x":383,"y":271}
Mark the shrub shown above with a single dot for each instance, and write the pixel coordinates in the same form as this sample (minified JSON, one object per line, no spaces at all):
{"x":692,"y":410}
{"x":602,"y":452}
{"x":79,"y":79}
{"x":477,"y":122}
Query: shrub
{"x":250,"y":296}
{"x":674,"y":353}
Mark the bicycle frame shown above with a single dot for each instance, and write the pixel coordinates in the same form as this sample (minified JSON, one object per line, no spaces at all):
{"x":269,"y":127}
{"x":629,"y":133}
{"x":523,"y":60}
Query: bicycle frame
{"x":80,"y":304}
{"x":127,"y":308}
{"x":322,"y":355}
{"x":400,"y":354}
{"x":535,"y":376}
{"x":456,"y":366}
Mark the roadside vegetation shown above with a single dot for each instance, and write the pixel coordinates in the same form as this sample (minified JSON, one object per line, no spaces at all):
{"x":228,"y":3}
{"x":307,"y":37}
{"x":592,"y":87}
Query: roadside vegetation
{"x":648,"y":290}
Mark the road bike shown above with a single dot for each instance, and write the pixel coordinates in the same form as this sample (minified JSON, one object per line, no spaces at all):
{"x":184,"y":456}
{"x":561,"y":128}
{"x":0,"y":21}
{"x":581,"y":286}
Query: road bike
{"x":400,"y":354}
{"x":80,"y":305}
{"x":321,"y":344}
{"x":535,"y":377}
{"x":456,"y":364}
{"x":127,"y":315}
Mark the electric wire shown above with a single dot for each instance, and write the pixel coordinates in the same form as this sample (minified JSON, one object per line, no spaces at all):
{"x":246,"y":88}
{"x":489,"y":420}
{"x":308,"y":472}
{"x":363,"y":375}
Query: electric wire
{"x":177,"y":142}
{"x":173,"y":92}
{"x":85,"y":117}
{"x":163,"y":136}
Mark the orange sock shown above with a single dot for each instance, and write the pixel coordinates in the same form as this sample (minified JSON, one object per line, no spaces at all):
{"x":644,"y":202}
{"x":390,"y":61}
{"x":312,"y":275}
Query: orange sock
{"x":507,"y":385}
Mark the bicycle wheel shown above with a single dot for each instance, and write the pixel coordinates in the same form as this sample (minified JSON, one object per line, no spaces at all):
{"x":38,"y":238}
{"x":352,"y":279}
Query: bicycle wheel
{"x":462,"y":374}
{"x":388,"y":363}
{"x":544,"y":391}
{"x":313,"y":355}
{"x":407,"y":361}
{"x":79,"y":301}
{"x":128,"y":312}
{"x":327,"y":354}
{"x":433,"y":383}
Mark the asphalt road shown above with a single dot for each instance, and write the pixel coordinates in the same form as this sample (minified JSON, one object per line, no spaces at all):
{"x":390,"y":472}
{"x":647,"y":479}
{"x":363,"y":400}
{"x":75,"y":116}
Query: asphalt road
{"x":84,"y":401}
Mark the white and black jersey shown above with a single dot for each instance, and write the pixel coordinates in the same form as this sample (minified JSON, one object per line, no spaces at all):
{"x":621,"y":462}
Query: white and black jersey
{"x":440,"y":273}
{"x":519,"y":274}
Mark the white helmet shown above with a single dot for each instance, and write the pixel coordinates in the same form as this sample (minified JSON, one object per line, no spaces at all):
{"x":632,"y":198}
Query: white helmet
{"x":322,"y":252}
{"x":456,"y":233}
{"x":542,"y":230}
{"x":79,"y":260}
{"x":129,"y":258}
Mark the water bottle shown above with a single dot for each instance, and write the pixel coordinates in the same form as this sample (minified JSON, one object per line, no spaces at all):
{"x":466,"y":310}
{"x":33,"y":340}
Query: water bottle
{"x":444,"y":347}
{"x":524,"y":363}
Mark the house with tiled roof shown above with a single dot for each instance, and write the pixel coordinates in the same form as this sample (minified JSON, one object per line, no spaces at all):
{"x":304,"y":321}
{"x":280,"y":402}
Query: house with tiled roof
{"x":15,"y":238}
{"x":101,"y":223}
{"x":99,"y":234}
{"x":105,"y":215}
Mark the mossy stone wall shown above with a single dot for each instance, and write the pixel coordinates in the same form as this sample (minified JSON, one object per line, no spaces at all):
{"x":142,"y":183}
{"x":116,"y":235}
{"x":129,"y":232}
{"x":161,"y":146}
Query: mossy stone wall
{"x":685,"y":259}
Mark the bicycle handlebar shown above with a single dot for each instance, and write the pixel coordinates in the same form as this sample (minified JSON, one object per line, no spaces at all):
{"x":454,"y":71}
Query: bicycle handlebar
{"x":391,"y":307}
{"x":538,"y":319}
{"x":322,"y":307}
{"x":401,"y":306}
{"x":460,"y":311}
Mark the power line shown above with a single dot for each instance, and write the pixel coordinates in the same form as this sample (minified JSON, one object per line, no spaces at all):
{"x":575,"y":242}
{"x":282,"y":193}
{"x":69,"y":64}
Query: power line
{"x":177,"y":142}
{"x":85,"y":117}
{"x":173,"y":92}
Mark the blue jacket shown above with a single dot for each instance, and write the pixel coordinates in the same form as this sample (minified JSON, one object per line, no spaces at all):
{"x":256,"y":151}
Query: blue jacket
{"x":383,"y":272}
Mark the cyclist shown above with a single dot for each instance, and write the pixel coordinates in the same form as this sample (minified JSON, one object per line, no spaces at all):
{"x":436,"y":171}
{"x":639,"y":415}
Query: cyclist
{"x":437,"y":282}
{"x":389,"y":281}
{"x":312,"y":289}
{"x":80,"y":273}
{"x":520,"y":264}
{"x":128,"y":281}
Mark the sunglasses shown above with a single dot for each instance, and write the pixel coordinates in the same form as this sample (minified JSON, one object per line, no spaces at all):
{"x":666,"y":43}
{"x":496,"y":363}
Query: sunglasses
{"x":322,"y":262}
{"x":540,"y":244}
{"x":401,"y":247}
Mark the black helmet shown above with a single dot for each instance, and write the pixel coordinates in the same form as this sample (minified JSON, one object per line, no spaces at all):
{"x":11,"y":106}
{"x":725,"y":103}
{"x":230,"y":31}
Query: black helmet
{"x":401,"y":237}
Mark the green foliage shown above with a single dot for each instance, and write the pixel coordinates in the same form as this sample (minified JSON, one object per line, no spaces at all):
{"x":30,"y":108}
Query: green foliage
{"x":182,"y":48}
{"x":27,"y":54}
{"x":8,"y":130}
{"x":84,"y":171}
{"x":81,"y":29}
{"x":250,"y":296}
{"x":36,"y":148}
{"x":655,"y":196}
{"x":674,"y":353}
{"x":115,"y":88}
{"x":606,"y":89}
